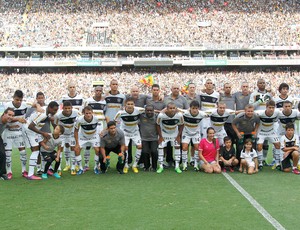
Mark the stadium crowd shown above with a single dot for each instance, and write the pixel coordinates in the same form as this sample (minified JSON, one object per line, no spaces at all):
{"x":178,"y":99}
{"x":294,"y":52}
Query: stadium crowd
{"x":143,"y":23}
{"x":55,"y":82}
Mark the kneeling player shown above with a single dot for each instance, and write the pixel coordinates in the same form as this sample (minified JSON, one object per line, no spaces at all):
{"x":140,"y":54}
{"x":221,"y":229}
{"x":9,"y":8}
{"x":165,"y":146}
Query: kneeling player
{"x":248,"y":158}
{"x":49,"y":153}
{"x":290,"y":149}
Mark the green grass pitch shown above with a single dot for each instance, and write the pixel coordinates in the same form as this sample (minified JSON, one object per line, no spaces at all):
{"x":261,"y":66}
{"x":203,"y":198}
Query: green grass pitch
{"x":147,"y":200}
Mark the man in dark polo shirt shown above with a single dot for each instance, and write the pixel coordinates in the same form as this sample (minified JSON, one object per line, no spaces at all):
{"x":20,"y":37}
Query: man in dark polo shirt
{"x":155,"y":98}
{"x":113,"y":140}
{"x":6,"y":117}
{"x":149,"y":137}
{"x":245,"y":125}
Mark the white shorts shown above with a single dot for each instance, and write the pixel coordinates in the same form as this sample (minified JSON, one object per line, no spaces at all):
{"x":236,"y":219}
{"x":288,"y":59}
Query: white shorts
{"x":68,"y":139}
{"x":173,"y":141}
{"x":204,"y":124}
{"x":32,"y":139}
{"x":270,"y":136}
{"x":93,"y":141}
{"x":251,"y":164}
{"x":135,"y":137}
{"x":187,"y":139}
{"x":13,"y":139}
{"x":220,"y":136}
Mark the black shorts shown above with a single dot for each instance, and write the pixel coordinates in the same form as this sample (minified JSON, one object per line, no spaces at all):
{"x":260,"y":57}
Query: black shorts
{"x":286,"y":162}
{"x":49,"y":156}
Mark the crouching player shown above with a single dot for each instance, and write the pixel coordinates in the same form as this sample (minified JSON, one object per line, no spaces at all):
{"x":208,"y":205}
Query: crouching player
{"x":248,"y":158}
{"x":227,"y":155}
{"x":86,"y":135}
{"x":289,"y":149}
{"x":113,"y":140}
{"x":49,"y":153}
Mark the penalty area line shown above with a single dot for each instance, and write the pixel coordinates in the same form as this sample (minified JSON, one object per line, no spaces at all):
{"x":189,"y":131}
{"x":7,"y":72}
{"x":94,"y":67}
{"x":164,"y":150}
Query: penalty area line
{"x":254,"y":203}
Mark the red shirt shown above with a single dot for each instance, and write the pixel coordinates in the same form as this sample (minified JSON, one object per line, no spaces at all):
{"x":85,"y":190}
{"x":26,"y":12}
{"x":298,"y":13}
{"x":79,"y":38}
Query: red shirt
{"x":209,"y":151}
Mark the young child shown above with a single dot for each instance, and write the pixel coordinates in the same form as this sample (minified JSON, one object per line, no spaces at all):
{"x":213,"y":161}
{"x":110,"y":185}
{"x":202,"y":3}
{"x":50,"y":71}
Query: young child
{"x":227,"y":155}
{"x":248,"y":158}
{"x":49,"y":153}
{"x":290,"y":149}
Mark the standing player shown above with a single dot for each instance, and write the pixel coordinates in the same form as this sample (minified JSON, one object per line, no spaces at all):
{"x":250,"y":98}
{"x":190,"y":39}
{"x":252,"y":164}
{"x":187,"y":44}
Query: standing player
{"x":169,"y":127}
{"x":67,"y":118}
{"x":258,"y":99}
{"x":191,"y":132}
{"x":86,"y":135}
{"x":218,"y":117}
{"x":98,"y":104}
{"x":13,"y":134}
{"x":72,"y":96}
{"x":266,"y":131}
{"x":289,"y":149}
{"x":114,"y":100}
{"x":129,"y":119}
{"x":283,"y":95}
{"x":4,"y":119}
{"x":209,"y":99}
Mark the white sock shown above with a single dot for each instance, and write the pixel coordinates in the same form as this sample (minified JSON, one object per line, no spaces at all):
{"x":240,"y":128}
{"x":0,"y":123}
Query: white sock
{"x":32,"y":162}
{"x":23,"y":158}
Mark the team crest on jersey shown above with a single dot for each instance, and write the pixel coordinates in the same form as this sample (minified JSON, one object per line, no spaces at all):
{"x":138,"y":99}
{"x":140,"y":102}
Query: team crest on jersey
{"x":94,"y":126}
{"x":23,"y":111}
{"x":135,"y":118}
{"x":214,"y":100}
{"x":119,"y":99}
{"x":77,"y":102}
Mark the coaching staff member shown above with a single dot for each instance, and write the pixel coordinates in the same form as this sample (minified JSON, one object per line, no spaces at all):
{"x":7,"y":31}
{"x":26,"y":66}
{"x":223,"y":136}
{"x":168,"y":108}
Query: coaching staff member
{"x":113,"y":140}
{"x":6,"y":117}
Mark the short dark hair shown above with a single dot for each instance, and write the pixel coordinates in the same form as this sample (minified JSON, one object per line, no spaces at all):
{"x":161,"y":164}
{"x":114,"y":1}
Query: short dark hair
{"x":67,"y":103}
{"x":289,"y":125}
{"x":53,"y":104}
{"x":129,"y":99}
{"x":8,"y":109}
{"x":88,"y":108}
{"x":195,"y":103}
{"x":40,"y":94}
{"x":18,"y":93}
{"x":111,"y":123}
{"x":149,"y":106}
{"x":155,"y":86}
{"x":227,"y":138}
{"x":270,"y":103}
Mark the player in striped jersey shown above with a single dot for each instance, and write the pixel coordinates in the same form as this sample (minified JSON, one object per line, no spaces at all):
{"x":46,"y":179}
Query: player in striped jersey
{"x":191,"y":132}
{"x":13,"y":134}
{"x":86,"y":135}
{"x":287,"y":115}
{"x":67,"y":118}
{"x":98,"y":104}
{"x":114,"y":100}
{"x":289,"y":149}
{"x":218,"y":117}
{"x":283,"y":90}
{"x":34,"y":135}
{"x":76,"y":99}
{"x":128,"y":120}
{"x":169,"y":127}
{"x":209,"y":99}
{"x":266,"y":131}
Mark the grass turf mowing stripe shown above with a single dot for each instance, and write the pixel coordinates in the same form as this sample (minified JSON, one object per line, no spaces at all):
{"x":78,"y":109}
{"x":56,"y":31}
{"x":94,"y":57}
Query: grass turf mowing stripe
{"x":254,"y":203}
